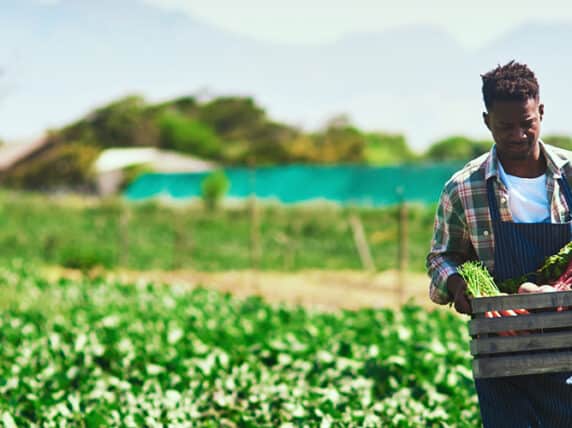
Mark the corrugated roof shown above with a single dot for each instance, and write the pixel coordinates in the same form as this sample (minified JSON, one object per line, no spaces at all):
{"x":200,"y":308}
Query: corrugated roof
{"x":159,"y":160}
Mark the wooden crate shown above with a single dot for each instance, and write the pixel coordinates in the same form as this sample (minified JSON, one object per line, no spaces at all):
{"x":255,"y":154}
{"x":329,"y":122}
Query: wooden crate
{"x":547,"y":348}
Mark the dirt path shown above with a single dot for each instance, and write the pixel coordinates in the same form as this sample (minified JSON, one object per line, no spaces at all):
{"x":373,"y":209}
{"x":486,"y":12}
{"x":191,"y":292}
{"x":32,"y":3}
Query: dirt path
{"x":325,"y":290}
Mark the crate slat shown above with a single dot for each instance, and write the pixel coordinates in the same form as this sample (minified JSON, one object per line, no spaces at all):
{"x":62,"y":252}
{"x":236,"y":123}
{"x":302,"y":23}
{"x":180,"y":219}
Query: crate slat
{"x":531,"y":342}
{"x":539,"y":352}
{"x":545,"y":362}
{"x":527,"y":301}
{"x":521,"y":322}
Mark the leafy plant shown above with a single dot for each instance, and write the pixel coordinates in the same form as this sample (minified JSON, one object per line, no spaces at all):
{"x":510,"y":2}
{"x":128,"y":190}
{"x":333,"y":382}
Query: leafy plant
{"x":96,"y":352}
{"x":84,"y":258}
{"x":213,"y":187}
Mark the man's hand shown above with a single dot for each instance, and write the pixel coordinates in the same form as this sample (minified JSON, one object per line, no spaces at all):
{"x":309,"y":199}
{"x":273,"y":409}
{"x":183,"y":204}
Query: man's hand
{"x":458,"y":291}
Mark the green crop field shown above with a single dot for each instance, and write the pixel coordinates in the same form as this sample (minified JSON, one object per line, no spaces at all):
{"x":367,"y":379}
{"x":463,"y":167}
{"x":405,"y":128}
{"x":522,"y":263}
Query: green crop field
{"x":91,"y":352}
{"x":83,"y":234}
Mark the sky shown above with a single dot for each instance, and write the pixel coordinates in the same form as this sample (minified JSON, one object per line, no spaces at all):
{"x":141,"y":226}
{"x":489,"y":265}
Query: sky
{"x":27,"y":108}
{"x":323,"y":21}
{"x":320,"y":21}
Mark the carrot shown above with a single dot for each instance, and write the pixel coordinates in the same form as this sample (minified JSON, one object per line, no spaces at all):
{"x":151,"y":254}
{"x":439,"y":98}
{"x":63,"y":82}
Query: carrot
{"x":498,"y":314}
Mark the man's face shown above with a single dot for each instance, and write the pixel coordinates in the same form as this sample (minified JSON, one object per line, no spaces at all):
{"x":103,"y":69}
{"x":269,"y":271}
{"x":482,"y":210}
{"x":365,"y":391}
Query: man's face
{"x":515,"y":126}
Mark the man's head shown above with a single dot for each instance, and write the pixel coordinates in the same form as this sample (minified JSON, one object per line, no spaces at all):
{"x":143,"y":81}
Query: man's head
{"x":514,"y":112}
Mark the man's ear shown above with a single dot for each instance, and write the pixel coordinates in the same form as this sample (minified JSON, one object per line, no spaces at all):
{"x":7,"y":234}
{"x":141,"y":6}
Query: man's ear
{"x":541,"y":110}
{"x":486,"y":120}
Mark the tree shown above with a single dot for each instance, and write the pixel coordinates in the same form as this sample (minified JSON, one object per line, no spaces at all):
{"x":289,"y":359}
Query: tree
{"x":232,"y":118}
{"x":268,"y":142}
{"x":386,"y":149}
{"x":339,"y":142}
{"x":561,"y":141}
{"x":178,"y":132}
{"x":62,"y":166}
{"x":457,"y":148}
{"x":122,"y":123}
{"x":301,"y":149}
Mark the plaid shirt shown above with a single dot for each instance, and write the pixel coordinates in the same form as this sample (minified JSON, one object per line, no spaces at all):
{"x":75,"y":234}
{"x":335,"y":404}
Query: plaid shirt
{"x":463,"y":229}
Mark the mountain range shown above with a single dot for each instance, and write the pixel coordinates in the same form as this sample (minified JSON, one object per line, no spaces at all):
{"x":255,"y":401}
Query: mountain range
{"x":61,"y":60}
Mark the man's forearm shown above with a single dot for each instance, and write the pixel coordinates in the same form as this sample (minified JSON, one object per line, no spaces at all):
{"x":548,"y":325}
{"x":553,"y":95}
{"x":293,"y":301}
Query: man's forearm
{"x":440,"y":269}
{"x":450,"y":245}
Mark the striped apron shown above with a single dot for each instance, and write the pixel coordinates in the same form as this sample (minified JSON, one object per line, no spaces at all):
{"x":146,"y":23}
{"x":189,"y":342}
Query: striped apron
{"x":533,"y":401}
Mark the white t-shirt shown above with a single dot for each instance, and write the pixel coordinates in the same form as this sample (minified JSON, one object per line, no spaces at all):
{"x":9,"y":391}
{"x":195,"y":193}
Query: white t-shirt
{"x":527,"y":198}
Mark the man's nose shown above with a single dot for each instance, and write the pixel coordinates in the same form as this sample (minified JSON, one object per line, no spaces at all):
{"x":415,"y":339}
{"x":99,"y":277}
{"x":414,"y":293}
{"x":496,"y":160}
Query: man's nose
{"x":519,"y":134}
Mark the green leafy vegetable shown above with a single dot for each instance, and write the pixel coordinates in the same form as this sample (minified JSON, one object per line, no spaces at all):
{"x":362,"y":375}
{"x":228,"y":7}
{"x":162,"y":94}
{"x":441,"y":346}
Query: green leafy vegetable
{"x":555,"y":265}
{"x":511,"y":285}
{"x":99,"y":352}
{"x":480,"y":283}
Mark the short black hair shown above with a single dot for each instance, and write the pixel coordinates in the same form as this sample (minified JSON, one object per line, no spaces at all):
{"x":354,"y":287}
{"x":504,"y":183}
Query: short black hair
{"x":509,"y":82}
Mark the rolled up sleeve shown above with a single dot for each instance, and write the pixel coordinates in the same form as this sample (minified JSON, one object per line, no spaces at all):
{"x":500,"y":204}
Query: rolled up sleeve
{"x":450,"y":246}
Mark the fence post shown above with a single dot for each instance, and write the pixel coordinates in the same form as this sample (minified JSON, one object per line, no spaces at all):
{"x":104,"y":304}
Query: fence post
{"x":361,"y":243}
{"x":254,"y":220}
{"x":124,"y":217}
{"x":402,"y":246}
{"x":292,"y":245}
{"x":178,"y":236}
{"x":254,"y":226}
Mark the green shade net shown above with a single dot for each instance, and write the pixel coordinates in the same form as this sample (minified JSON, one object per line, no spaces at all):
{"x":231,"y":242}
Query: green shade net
{"x":344,"y":184}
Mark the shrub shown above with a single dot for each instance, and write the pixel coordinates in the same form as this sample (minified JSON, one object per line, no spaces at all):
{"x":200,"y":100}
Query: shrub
{"x":64,"y":166}
{"x":85,"y":258}
{"x":457,"y":148}
{"x":213,"y":188}
{"x":188,"y":135}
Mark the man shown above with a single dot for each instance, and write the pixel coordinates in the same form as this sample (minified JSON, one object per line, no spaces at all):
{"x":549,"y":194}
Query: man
{"x":509,"y":208}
